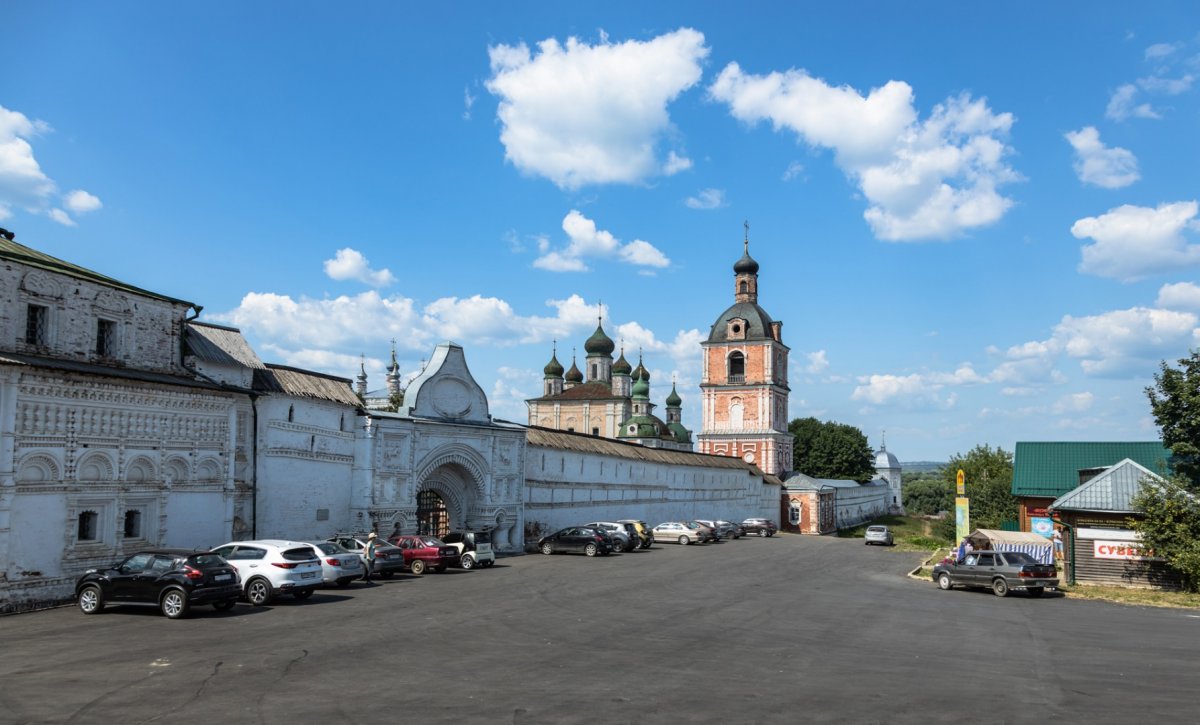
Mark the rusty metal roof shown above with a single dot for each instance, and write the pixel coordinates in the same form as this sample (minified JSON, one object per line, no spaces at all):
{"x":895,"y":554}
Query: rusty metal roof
{"x":304,"y":384}
{"x":584,"y":391}
{"x":580,"y":443}
{"x":219,"y":344}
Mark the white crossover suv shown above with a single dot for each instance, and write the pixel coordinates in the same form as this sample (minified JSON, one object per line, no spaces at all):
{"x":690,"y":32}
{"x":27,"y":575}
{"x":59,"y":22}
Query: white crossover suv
{"x":272,"y":566}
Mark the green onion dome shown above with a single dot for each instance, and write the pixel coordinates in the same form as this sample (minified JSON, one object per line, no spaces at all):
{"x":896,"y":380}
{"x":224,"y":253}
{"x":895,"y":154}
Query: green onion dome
{"x":573,"y":375}
{"x":554,"y":368}
{"x":599,"y":343}
{"x":622,"y":366}
{"x":673,"y":400}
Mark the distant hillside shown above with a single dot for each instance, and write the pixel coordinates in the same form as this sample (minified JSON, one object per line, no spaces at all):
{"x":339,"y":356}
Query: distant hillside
{"x":921,"y":466}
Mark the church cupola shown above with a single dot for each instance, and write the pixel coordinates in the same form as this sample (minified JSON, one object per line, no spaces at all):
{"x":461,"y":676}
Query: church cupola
{"x":574,"y":376}
{"x":393,"y":375}
{"x":745,"y":274}
{"x":599,"y":348}
{"x":361,"y":387}
{"x":552,"y":384}
{"x":621,"y":382}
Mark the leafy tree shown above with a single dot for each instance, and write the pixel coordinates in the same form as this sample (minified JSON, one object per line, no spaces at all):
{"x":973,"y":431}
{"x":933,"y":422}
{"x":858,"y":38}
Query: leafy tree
{"x":1175,"y":404}
{"x":1171,"y":527}
{"x":831,"y":450}
{"x":927,"y":494}
{"x":989,"y":473}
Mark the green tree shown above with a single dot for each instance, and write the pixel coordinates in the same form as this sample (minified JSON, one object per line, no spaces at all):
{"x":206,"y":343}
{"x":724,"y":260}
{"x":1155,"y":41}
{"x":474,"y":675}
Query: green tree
{"x":1171,"y":527}
{"x":989,"y":473}
{"x":831,"y":450}
{"x":1175,"y":404}
{"x":927,"y":494}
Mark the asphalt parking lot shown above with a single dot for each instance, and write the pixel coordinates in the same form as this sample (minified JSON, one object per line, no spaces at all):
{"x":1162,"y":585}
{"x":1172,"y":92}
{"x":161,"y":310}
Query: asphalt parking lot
{"x":787,"y":629}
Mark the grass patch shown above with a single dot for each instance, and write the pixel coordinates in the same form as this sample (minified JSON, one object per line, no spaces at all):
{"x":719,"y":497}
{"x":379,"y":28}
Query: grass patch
{"x":1139,"y":597}
{"x":911,"y":533}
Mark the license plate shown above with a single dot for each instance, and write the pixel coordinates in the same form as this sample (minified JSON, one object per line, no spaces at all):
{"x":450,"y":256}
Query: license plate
{"x":308,"y":575}
{"x":222,"y":577}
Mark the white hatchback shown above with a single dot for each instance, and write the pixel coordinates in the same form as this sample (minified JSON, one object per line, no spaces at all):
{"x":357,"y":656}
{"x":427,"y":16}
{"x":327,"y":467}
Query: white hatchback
{"x":273,"y":566}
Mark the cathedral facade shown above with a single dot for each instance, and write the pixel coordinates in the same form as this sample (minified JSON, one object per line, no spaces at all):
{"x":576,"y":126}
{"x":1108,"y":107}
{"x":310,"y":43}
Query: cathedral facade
{"x":744,"y":385}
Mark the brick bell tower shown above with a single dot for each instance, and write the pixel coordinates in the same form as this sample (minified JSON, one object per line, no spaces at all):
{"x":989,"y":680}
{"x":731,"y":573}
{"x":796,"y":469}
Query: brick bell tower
{"x":744,"y":387}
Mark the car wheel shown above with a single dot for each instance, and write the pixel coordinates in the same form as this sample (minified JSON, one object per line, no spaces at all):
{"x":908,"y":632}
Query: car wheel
{"x":303,"y":594}
{"x":467,"y":562}
{"x":174,"y":604}
{"x":943,"y":581}
{"x":547,"y":549}
{"x":1000,"y":588}
{"x":91,"y":599}
{"x":224,"y":606}
{"x":258,"y":591}
{"x":1036,"y":591}
{"x":590,"y":550}
{"x":684,"y":541}
{"x":763,"y":533}
{"x":417,"y":567}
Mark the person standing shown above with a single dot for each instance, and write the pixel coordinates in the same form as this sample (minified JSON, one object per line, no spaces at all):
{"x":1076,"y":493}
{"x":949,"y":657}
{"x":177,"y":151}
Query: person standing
{"x":369,"y":554}
{"x":1058,"y":543}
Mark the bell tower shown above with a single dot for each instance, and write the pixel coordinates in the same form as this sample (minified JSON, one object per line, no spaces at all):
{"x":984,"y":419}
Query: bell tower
{"x":744,"y":386}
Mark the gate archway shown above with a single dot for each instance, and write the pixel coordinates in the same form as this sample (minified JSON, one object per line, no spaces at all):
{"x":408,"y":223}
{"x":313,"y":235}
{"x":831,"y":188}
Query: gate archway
{"x":433,"y":519}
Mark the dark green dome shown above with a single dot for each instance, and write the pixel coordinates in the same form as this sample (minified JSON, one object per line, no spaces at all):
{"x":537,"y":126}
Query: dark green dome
{"x":745,"y":265}
{"x":641,"y":372}
{"x":682,"y":435}
{"x":641,"y":388}
{"x":673,"y":400}
{"x":641,"y":426}
{"x":554,"y":368}
{"x":599,"y":343}
{"x":622,"y":366}
{"x":573,"y":375}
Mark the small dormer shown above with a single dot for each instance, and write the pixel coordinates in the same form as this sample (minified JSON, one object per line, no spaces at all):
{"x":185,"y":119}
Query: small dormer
{"x":735,"y":329}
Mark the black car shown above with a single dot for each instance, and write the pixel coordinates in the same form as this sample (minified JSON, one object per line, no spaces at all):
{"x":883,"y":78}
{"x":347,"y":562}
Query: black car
{"x":171,"y":579}
{"x":576,"y":538}
{"x":762,"y":527}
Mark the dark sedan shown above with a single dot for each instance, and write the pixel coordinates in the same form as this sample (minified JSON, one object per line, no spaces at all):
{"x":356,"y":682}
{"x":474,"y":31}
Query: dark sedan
{"x":1001,"y":572}
{"x":173,"y":580}
{"x":576,"y":538}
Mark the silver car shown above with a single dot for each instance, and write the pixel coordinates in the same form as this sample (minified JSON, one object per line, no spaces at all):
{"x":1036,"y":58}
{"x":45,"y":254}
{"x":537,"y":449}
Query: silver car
{"x":338,"y":565}
{"x":878,"y":535}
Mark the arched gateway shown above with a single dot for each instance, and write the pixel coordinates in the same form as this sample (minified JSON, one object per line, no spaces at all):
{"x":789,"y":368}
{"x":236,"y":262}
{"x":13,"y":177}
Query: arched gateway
{"x":441,"y":462}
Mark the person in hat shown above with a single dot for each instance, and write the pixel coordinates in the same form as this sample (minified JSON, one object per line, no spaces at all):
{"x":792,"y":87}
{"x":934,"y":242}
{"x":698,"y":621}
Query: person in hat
{"x":369,"y":554}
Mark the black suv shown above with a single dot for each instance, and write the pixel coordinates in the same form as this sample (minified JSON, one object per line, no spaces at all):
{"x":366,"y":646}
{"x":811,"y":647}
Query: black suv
{"x":171,"y":579}
{"x":762,"y":527}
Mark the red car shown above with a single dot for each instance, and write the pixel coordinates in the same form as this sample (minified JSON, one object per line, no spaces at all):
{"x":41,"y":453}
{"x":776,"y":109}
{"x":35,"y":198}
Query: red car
{"x":425,"y":552}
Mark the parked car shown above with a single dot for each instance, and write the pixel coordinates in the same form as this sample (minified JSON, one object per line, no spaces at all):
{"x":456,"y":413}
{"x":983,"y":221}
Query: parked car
{"x":703,"y":532}
{"x":622,"y":539}
{"x":339,"y":565}
{"x":724,"y":529}
{"x":388,"y":558}
{"x":762,"y":527}
{"x":878,"y":535}
{"x":646,"y":539}
{"x":474,"y":548}
{"x":576,"y":538}
{"x":678,"y":532}
{"x":1002,"y":572}
{"x":273,"y":566}
{"x":425,"y":552}
{"x":736,"y":530}
{"x":173,"y":580}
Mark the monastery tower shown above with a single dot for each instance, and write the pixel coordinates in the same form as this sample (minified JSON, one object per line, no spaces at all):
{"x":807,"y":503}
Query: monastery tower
{"x":744,"y":387}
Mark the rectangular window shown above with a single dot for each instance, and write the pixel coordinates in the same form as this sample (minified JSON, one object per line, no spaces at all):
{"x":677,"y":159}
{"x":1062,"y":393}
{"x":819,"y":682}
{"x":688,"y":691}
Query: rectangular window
{"x":36,"y":321}
{"x":106,"y":338}
{"x":133,"y":524}
{"x":595,"y":431}
{"x":88,"y":526}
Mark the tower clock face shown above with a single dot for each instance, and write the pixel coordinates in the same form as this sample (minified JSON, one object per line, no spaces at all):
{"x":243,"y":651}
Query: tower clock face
{"x":748,"y":457}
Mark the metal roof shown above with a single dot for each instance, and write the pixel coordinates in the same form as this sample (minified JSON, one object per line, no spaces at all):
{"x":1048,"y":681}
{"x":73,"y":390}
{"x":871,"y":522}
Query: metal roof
{"x":1051,"y":469}
{"x":804,"y":482}
{"x":1112,"y":490}
{"x":219,"y":344}
{"x":304,"y":384}
{"x":584,"y":391}
{"x":33,"y":258}
{"x":580,"y":443}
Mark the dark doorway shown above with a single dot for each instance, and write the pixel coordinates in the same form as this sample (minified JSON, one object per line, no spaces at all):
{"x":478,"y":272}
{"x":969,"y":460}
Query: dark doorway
{"x":432,"y":519}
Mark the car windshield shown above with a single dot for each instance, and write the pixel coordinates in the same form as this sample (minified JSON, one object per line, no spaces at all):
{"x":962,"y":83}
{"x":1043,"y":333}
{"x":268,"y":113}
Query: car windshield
{"x":206,"y":561}
{"x":876,"y":529}
{"x":1019,"y":557}
{"x":299,"y":554}
{"x":430,"y":540}
{"x":328,"y":547}
{"x":482,"y":538}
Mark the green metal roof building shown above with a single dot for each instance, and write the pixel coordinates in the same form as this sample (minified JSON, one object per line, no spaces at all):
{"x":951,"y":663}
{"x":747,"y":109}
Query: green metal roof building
{"x":1051,"y":469}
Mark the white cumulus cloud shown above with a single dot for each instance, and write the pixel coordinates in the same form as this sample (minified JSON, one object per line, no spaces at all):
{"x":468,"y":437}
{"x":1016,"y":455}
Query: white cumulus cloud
{"x":1179,"y":296}
{"x":1133,"y":242}
{"x":1100,"y":165}
{"x":351,"y":264}
{"x":931,"y":179}
{"x":1123,"y":104}
{"x":582,"y":114}
{"x":23,"y":184}
{"x":706,"y":199}
{"x":587,"y":241}
{"x":81,"y":202}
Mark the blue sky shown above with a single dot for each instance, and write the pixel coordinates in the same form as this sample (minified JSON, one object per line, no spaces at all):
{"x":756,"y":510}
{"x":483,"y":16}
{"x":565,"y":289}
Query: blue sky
{"x":977,"y":225}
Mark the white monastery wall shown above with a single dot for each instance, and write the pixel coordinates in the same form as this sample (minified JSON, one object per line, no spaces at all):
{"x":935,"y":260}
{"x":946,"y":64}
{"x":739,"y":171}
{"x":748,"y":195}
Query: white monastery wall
{"x":859,"y":504}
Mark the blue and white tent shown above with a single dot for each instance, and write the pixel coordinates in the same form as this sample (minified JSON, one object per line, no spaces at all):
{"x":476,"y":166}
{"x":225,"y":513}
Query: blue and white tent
{"x":1036,"y":545}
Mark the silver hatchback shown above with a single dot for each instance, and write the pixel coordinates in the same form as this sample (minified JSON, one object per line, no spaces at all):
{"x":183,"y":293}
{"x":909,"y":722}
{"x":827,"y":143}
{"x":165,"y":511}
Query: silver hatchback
{"x":878,"y":535}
